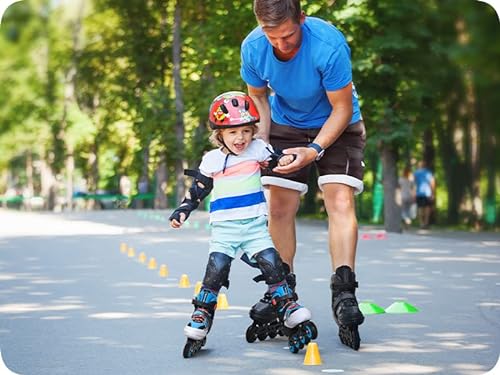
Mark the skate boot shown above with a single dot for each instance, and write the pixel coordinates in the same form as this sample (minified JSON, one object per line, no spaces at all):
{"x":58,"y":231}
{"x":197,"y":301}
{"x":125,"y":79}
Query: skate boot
{"x":265,"y":316}
{"x":294,"y":317}
{"x":201,"y":321}
{"x":345,"y":306}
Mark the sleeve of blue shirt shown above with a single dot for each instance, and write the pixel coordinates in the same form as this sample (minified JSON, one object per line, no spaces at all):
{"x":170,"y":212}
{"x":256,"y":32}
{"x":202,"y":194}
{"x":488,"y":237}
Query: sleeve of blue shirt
{"x":337,"y":72}
{"x":247,"y":70}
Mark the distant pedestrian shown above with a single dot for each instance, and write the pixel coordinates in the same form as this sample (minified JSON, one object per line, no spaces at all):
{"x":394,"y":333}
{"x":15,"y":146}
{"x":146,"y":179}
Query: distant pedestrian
{"x":425,"y":193}
{"x":408,"y":204}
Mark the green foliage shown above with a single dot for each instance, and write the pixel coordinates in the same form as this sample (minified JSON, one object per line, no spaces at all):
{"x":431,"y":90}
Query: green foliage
{"x":416,"y":66}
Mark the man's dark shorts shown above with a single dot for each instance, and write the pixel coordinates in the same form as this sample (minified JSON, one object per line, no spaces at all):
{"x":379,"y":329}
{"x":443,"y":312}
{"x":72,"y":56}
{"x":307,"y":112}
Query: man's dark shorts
{"x":424,"y":202}
{"x":342,"y":162}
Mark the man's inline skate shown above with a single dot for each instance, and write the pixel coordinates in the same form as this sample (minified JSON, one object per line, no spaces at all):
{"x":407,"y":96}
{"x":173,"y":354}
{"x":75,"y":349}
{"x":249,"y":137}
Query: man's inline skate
{"x":345,"y":306}
{"x":201,"y":321}
{"x":278,"y":313}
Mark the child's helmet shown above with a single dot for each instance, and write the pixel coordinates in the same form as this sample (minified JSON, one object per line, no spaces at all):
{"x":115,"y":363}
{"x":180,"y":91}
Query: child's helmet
{"x":232,"y":109}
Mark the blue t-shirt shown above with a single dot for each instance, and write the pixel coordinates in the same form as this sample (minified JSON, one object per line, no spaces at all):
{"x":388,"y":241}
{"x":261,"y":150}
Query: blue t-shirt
{"x":423,"y":180}
{"x":322,"y":64}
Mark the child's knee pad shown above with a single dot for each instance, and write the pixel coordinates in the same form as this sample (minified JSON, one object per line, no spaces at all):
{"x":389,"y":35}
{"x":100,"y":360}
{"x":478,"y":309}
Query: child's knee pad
{"x":217,"y":272}
{"x":271,"y":265}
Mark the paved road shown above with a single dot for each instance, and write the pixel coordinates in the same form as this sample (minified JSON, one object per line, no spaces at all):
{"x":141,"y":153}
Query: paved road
{"x":72,"y":303}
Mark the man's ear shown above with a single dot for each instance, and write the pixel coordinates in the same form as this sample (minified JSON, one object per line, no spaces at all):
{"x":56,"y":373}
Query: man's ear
{"x":302,"y":18}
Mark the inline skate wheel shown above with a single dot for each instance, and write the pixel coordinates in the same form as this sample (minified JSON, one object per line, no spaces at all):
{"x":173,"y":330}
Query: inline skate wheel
{"x":311,"y":330}
{"x":251,"y":334}
{"x":192,"y":347}
{"x":350,"y":336}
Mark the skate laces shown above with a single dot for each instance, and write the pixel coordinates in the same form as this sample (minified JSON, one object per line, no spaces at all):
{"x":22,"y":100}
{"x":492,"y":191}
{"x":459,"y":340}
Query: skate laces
{"x":199,"y":317}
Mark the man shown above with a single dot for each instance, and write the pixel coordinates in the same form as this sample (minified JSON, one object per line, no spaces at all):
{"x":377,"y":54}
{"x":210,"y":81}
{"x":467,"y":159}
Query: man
{"x":425,"y":192}
{"x":314,"y":114}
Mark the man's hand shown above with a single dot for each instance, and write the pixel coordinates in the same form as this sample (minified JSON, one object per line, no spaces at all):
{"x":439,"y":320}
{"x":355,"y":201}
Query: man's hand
{"x":303,"y":156}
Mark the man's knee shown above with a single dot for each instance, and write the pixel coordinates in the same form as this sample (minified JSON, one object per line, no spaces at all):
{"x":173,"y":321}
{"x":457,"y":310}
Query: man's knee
{"x":339,"y":199}
{"x":283,"y":203}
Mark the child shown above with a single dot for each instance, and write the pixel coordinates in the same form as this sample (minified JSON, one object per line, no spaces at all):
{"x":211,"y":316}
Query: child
{"x":237,"y":215}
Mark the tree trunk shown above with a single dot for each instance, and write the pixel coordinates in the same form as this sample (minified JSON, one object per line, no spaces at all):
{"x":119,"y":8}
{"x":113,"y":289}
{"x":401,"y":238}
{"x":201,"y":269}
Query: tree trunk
{"x":93,"y":177}
{"x":48,"y":182}
{"x":392,"y":208}
{"x":179,"y":105}
{"x":28,"y":194}
{"x":161,"y":184}
{"x":143,"y":184}
{"x":70,"y":169}
{"x":453,"y":167}
{"x":473,"y":150}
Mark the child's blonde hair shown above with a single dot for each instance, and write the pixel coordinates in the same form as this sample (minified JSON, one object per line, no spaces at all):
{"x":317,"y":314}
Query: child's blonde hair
{"x":216,"y":136}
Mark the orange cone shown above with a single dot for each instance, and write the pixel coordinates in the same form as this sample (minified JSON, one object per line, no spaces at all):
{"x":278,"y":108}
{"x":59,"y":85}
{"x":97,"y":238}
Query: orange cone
{"x":312,"y":357}
{"x":131,"y":252}
{"x":163,"y":271}
{"x":222,"y":303}
{"x":197,"y":288}
{"x":142,"y":258}
{"x":184,"y":281}
{"x":152,"y":264}
{"x":123,"y":247}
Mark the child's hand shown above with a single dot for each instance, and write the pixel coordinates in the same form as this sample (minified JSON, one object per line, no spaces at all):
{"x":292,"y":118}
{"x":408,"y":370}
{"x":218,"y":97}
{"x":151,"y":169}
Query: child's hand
{"x":176,"y":224}
{"x":286,"y":159}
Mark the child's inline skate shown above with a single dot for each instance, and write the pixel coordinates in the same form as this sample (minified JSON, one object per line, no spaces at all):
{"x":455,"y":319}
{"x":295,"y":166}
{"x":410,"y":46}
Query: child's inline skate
{"x":345,"y":306}
{"x":201,"y":321}
{"x":279,"y":313}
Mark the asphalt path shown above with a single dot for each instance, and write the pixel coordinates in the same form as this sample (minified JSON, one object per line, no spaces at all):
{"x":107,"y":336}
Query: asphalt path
{"x":71,"y":302}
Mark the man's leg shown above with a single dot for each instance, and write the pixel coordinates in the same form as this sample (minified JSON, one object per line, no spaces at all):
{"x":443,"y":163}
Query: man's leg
{"x":283,"y":206}
{"x":343,"y":237}
{"x":342,"y":224}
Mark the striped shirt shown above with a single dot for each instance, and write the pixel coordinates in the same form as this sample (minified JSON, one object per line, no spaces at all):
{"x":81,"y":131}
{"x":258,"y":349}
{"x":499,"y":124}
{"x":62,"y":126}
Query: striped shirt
{"x":237,"y":192}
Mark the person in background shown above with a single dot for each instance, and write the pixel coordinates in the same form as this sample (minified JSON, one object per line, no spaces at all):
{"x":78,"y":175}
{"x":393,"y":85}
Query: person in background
{"x":425,"y":193}
{"x":407,"y":188}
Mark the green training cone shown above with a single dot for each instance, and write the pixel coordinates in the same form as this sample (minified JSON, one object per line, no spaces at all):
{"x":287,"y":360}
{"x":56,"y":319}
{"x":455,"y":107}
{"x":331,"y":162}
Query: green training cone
{"x":370,"y":308}
{"x":401,"y":307}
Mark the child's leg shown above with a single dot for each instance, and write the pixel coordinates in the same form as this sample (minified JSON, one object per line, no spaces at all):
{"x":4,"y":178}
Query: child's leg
{"x":205,"y":302}
{"x":283,"y":299}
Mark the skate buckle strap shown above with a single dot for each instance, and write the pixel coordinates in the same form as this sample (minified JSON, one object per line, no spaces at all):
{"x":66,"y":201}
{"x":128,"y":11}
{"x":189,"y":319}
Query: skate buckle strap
{"x":344,"y":287}
{"x":205,"y":305}
{"x":276,"y":300}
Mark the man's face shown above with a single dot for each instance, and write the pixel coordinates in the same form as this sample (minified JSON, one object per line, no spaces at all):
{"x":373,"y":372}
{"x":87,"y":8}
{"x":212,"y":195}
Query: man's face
{"x":286,"y":37}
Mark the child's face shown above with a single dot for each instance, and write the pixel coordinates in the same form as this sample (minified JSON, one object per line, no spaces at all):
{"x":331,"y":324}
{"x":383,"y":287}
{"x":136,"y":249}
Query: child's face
{"x":237,"y":139}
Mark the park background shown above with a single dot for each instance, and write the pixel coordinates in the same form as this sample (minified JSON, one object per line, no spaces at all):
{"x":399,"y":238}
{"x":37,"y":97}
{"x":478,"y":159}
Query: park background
{"x":103,"y":103}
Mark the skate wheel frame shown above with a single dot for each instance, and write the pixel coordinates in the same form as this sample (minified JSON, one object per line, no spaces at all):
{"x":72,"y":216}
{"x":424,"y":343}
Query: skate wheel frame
{"x":192,"y":347}
{"x":301,"y":335}
{"x":350,"y":336}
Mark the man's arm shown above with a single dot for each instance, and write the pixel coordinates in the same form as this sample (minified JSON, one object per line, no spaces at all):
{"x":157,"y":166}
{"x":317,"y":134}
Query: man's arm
{"x":259,"y":96}
{"x":337,"y":122}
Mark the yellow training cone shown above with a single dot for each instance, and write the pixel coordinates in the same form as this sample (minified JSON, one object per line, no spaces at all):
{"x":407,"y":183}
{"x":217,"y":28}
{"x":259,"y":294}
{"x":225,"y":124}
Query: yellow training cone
{"x":152,"y":264}
{"x":222,"y":302}
{"x":312,"y":357}
{"x":184,"y":281}
{"x":197,"y":288}
{"x":123,"y":247}
{"x":163,"y":271}
{"x":131,"y":252}
{"x":142,"y":258}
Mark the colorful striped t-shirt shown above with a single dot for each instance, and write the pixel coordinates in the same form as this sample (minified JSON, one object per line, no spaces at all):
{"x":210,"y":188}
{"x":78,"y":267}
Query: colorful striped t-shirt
{"x":237,"y":192}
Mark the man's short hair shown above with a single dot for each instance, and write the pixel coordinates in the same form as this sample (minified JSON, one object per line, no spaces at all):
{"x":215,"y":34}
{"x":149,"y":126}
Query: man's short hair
{"x":272,"y":13}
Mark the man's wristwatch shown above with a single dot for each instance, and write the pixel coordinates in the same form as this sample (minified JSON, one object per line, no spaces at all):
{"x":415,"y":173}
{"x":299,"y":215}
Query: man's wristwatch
{"x":318,"y":149}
